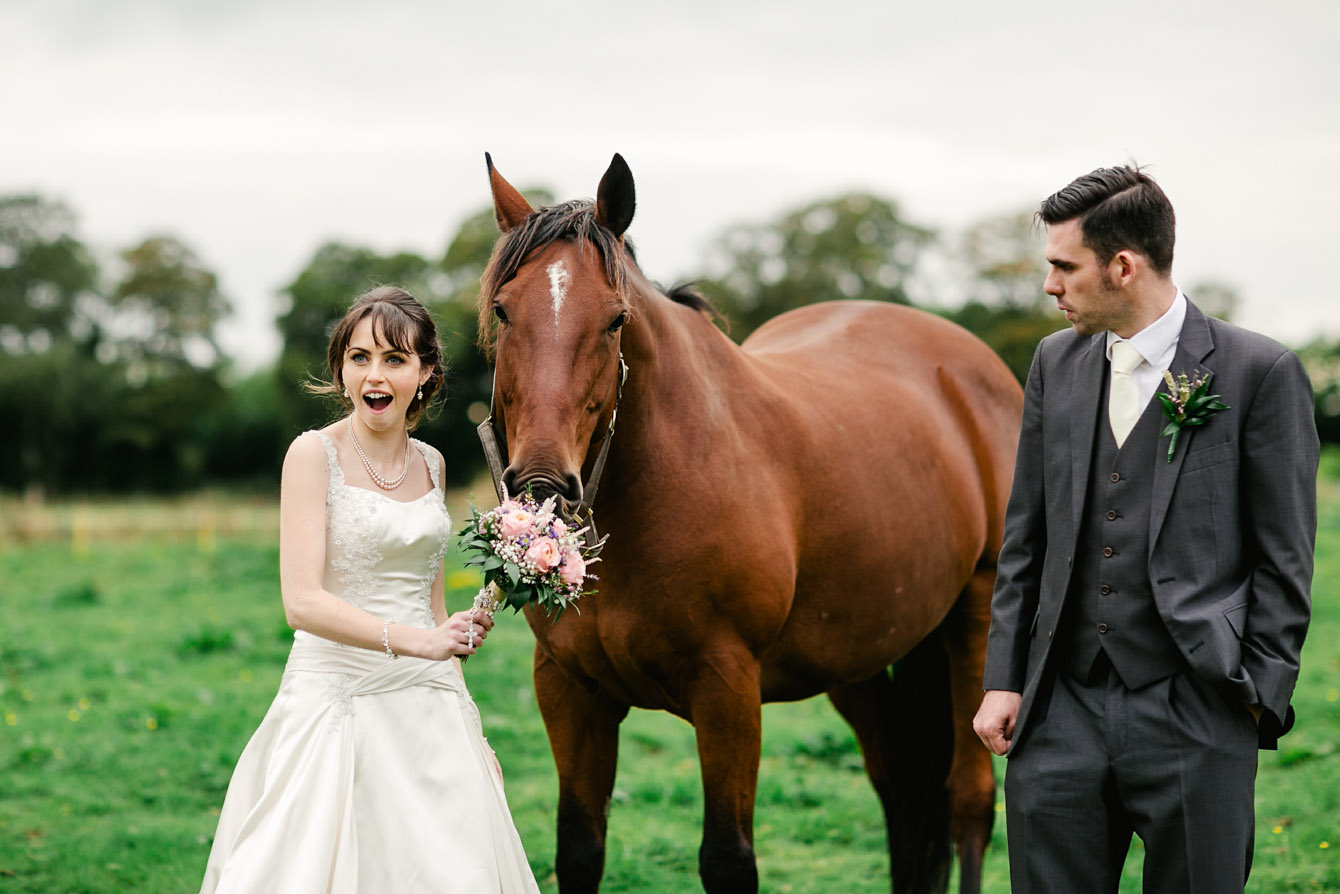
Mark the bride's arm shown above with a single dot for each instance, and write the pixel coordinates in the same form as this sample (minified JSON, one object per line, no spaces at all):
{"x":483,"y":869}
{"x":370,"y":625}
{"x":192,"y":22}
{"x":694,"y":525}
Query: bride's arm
{"x":438,"y":602}
{"x":437,"y":598}
{"x":302,"y":557}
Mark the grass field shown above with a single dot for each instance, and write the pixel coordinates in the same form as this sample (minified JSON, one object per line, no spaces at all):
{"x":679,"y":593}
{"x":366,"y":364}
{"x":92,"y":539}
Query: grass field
{"x":141,"y":643}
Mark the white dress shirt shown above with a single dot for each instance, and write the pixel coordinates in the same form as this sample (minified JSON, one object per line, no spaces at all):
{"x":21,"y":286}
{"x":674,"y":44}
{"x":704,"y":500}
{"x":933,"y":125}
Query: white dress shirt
{"x":1157,"y":343}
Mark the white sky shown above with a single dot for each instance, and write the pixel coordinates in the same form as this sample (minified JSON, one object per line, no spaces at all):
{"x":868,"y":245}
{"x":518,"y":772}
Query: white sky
{"x":256,"y":130}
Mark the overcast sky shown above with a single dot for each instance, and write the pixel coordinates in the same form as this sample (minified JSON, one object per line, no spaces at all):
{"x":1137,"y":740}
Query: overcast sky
{"x":255,"y":130}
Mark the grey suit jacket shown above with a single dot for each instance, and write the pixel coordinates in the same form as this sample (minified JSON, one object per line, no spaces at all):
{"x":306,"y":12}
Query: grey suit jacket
{"x":1232,"y":523}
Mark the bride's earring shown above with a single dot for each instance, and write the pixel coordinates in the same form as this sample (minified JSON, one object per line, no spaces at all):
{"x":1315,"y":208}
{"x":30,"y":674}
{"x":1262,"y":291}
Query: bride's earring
{"x":420,"y":392}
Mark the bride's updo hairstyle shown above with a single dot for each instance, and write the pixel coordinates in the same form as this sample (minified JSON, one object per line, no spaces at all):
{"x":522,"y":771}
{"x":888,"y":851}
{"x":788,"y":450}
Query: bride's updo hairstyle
{"x":399,"y":321}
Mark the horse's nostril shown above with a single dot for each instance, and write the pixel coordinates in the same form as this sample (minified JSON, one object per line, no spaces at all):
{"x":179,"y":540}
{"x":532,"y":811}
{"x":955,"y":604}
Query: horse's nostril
{"x":572,"y":489}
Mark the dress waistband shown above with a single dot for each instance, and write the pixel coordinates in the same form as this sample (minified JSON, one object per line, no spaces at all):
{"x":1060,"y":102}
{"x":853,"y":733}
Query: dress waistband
{"x":375,"y":672}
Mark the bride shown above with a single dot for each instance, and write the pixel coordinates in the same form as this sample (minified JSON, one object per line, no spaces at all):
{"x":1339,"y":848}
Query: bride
{"x":370,"y":772}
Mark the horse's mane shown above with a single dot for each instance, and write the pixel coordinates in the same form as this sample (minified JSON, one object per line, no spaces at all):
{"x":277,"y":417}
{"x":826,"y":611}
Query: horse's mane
{"x":573,"y":221}
{"x":687,"y":294}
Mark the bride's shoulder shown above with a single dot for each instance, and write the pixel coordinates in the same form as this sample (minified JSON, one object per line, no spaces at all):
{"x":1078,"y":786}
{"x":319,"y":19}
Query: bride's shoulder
{"x":436,"y":455}
{"x":431,"y":454}
{"x":311,"y":449}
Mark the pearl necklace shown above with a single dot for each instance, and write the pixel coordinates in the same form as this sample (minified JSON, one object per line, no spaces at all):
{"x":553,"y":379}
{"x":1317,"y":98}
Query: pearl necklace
{"x":367,"y":463}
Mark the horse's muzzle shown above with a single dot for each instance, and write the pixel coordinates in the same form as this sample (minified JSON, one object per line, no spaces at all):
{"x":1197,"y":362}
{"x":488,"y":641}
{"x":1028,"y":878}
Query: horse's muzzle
{"x":568,"y":491}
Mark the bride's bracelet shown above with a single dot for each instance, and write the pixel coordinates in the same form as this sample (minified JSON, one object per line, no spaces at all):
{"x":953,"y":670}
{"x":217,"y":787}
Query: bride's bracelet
{"x":386,"y":639}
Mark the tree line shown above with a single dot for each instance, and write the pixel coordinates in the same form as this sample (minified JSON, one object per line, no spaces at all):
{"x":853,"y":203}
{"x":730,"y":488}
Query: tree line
{"x":113,"y":381}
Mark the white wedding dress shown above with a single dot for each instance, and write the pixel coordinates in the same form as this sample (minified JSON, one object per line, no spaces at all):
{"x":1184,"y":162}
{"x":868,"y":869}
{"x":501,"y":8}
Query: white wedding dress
{"x":370,"y":775}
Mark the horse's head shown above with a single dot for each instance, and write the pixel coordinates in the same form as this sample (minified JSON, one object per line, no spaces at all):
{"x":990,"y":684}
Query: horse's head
{"x":552,"y":306}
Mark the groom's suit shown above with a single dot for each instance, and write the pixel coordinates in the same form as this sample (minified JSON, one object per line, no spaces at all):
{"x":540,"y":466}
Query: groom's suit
{"x":1211,"y":571}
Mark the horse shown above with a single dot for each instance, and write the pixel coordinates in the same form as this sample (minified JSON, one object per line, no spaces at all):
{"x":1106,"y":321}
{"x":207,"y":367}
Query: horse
{"x":815,"y":510}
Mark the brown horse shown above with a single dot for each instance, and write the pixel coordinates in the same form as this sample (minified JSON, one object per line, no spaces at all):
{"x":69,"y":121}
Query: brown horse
{"x":787,"y":517}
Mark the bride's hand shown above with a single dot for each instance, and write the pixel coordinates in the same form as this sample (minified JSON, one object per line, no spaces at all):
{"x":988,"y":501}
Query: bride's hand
{"x":460,"y":634}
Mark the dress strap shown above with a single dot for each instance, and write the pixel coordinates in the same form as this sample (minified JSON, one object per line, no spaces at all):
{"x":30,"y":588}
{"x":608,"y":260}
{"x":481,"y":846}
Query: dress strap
{"x":332,"y":458}
{"x":430,"y":458}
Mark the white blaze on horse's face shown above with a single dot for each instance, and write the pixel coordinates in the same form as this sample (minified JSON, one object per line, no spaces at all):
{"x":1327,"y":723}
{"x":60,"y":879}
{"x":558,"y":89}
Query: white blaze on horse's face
{"x":558,"y":288}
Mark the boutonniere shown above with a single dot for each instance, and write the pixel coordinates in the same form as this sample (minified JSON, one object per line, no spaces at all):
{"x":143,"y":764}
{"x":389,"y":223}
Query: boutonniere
{"x":1187,"y":403}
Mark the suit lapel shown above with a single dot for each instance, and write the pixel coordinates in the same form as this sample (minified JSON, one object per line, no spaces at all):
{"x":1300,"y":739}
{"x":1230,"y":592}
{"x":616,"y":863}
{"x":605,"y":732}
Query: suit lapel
{"x":1194,"y":344}
{"x":1085,"y":414}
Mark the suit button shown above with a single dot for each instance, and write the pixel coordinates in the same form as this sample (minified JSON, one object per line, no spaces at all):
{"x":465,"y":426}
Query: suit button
{"x":1104,"y":589}
{"x":1111,"y":515}
{"x":1102,"y":628}
{"x":1116,"y":476}
{"x":1107,"y":552}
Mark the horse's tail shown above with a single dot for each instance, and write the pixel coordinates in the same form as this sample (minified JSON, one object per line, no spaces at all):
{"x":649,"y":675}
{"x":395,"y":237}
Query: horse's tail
{"x":920,"y":847}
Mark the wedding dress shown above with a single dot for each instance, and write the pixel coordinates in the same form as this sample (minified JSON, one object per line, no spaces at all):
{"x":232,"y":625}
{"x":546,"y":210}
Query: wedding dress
{"x":370,"y":775}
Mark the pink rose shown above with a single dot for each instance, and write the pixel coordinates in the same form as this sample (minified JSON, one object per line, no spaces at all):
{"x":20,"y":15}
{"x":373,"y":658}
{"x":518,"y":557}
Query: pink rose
{"x":515,"y":522}
{"x":573,"y":569}
{"x":560,"y":527}
{"x":508,"y":506}
{"x":544,"y":554}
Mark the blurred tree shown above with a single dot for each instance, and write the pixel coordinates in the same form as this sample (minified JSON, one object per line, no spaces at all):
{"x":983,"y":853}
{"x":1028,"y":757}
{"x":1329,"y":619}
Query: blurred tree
{"x":167,"y":307}
{"x":48,"y":278}
{"x":52,"y":386}
{"x":1321,"y":358}
{"x":161,"y":327}
{"x":1013,"y":332}
{"x":60,"y":403}
{"x":110,"y":390}
{"x":852,"y":246}
{"x":1004,"y":265}
{"x":243,"y":438}
{"x":1006,"y":262}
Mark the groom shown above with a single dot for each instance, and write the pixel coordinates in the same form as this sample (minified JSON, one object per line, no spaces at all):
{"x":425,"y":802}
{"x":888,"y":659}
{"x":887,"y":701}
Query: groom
{"x":1150,"y":605}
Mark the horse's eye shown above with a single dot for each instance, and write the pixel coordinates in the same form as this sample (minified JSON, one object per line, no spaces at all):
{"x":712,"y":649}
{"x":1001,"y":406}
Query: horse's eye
{"x":618,"y":322}
{"x":500,"y":314}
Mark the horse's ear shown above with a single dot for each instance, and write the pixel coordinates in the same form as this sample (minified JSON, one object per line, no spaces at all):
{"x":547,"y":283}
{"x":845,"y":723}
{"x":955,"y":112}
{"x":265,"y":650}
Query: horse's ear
{"x":510,"y":208}
{"x":615,"y":199}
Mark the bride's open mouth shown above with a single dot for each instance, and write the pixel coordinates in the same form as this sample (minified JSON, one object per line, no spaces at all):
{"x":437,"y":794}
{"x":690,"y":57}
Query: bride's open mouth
{"x":377,"y":401}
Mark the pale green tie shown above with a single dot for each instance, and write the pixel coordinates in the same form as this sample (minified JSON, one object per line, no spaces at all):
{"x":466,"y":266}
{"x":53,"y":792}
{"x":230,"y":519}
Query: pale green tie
{"x":1123,"y":397}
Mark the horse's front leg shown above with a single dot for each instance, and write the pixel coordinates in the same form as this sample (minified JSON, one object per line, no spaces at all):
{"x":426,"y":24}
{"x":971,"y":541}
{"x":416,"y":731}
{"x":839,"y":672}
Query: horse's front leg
{"x":583,"y":728}
{"x":725,"y":708}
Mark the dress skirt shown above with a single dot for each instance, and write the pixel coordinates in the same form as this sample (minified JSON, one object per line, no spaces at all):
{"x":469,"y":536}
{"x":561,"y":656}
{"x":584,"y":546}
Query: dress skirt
{"x":367,"y":775}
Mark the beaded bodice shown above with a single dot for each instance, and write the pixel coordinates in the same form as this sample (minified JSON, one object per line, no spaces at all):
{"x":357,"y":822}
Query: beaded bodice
{"x":382,"y":554}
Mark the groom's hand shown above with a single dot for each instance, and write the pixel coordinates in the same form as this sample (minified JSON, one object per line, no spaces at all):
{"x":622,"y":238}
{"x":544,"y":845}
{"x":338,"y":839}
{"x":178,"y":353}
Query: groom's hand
{"x":994,"y":723}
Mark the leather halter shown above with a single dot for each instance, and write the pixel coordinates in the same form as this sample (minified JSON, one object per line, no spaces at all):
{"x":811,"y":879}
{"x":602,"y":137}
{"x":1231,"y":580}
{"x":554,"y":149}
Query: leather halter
{"x":488,"y":438}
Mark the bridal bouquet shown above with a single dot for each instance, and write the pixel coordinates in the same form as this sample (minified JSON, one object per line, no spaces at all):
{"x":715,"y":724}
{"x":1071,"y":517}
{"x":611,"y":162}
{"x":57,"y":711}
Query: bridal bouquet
{"x":529,"y":554}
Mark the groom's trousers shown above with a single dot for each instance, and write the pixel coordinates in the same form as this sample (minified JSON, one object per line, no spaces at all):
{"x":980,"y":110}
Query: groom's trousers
{"x":1171,"y":762}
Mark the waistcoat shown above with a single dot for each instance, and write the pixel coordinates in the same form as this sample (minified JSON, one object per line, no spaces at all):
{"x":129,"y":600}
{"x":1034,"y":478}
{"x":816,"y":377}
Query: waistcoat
{"x":1110,"y":603}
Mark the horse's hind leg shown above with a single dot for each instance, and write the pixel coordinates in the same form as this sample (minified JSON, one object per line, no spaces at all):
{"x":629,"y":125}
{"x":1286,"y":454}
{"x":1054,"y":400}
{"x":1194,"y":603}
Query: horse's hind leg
{"x":972,"y":784}
{"x":583,"y":728}
{"x":904,"y":729}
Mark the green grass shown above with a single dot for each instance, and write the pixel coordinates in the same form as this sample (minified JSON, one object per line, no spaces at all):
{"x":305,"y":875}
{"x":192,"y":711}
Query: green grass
{"x":132,"y":672}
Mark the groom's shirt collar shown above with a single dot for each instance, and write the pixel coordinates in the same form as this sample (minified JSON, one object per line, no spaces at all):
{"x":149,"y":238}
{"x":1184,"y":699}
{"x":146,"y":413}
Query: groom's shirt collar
{"x":1157,"y":342}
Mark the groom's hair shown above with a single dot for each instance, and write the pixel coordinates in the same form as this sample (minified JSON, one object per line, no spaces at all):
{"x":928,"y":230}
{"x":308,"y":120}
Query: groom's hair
{"x":1117,"y":208}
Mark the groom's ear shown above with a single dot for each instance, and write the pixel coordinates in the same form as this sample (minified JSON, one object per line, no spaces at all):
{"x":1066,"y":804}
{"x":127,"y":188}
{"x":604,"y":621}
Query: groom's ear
{"x":1121,"y":270}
